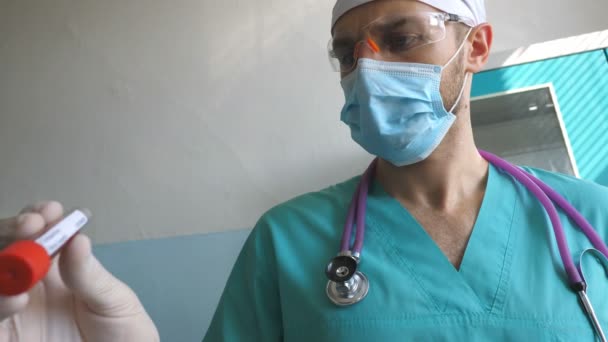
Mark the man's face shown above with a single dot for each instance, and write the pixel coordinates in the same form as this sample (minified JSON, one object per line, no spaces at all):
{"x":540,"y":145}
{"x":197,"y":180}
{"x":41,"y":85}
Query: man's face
{"x":351,"y":26}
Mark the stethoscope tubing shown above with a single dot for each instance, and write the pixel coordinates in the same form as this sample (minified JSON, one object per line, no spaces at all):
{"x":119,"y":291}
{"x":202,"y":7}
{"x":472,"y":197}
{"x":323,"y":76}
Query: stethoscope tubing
{"x":545,"y":194}
{"x":357,"y":208}
{"x":576,"y":216}
{"x":562,"y":245}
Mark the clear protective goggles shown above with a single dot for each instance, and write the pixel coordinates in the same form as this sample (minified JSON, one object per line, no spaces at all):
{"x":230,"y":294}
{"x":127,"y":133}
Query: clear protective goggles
{"x":391,"y":37}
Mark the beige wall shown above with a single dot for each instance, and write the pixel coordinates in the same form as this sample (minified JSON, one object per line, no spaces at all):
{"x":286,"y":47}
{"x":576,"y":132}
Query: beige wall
{"x":189,"y":116}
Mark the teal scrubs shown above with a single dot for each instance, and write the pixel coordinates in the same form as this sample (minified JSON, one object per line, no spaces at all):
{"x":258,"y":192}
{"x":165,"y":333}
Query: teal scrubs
{"x":511,"y":285}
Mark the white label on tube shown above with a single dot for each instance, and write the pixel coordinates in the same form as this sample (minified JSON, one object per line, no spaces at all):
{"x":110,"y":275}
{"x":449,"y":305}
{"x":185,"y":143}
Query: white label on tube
{"x":59,"y":234}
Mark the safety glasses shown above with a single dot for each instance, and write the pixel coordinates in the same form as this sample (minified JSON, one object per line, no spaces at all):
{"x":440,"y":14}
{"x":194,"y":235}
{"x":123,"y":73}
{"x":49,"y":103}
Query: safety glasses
{"x":390,"y":38}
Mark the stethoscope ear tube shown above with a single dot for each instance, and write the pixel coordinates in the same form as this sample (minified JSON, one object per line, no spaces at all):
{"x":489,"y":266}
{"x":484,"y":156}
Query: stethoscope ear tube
{"x":582,"y":295}
{"x":546,"y":195}
{"x":573,"y":274}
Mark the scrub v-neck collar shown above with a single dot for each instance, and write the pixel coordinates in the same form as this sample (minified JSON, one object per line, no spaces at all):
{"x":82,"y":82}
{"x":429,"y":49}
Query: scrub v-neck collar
{"x":480,"y":283}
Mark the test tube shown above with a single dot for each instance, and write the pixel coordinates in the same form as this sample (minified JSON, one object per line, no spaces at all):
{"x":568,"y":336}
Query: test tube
{"x":24,"y":263}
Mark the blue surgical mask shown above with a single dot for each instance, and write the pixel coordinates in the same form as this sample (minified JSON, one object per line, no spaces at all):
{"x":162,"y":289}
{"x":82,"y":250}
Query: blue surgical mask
{"x":395,"y":110}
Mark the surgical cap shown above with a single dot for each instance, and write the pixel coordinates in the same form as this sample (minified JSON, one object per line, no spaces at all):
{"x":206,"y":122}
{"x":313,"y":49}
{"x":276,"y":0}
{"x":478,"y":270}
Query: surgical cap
{"x":473,"y":10}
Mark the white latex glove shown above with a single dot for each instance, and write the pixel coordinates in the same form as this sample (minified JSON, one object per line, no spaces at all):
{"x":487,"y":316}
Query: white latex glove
{"x":78,"y":300}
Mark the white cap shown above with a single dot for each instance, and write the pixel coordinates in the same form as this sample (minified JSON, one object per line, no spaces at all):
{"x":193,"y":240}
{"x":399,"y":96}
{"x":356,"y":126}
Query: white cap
{"x":473,"y":10}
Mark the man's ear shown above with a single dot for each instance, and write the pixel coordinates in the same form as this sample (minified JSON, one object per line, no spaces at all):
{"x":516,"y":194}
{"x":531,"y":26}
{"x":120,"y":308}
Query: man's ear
{"x":480,"y":41}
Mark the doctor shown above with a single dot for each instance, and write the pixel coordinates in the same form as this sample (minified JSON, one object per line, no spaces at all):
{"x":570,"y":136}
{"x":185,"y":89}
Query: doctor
{"x":455,"y":248}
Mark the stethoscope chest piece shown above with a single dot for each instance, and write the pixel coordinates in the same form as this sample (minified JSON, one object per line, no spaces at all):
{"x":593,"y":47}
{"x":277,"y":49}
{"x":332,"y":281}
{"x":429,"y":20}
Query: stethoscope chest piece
{"x":348,"y":292}
{"x":346,"y":285}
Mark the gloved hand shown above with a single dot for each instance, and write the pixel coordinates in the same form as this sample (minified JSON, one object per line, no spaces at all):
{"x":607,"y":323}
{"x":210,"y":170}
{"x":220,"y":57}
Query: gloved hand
{"x":78,"y":300}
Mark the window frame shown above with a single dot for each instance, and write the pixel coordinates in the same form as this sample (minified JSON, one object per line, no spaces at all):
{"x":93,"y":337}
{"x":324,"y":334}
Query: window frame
{"x":556,"y":107}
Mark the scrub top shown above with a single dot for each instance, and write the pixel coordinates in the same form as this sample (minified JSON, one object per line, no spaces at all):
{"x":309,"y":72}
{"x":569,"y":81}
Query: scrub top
{"x":511,"y":285}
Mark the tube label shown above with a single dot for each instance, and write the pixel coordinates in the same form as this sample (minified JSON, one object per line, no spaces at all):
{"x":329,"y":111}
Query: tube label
{"x":59,"y":234}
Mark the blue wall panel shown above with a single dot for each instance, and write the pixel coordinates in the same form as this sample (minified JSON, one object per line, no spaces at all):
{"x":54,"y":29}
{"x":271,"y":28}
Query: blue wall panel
{"x":179,"y":280}
{"x":581,"y":87}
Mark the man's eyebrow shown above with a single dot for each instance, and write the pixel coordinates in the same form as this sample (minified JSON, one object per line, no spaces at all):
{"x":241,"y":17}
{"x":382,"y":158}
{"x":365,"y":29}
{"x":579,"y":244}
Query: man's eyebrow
{"x":348,"y":39}
{"x":392,"y":24}
{"x":395,"y":23}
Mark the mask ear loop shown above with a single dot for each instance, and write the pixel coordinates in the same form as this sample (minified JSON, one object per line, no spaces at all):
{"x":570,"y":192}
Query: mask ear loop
{"x":466,"y":75}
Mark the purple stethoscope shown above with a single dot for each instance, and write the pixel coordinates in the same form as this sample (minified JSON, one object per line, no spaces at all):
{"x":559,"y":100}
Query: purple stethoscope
{"x":347,"y":285}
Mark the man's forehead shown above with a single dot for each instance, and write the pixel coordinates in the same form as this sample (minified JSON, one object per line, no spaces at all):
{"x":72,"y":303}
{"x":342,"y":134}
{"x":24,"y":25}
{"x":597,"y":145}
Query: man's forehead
{"x":352,"y":22}
{"x":471,"y":11}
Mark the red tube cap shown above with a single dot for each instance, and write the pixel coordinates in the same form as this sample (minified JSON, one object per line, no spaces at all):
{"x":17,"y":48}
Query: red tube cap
{"x":22,"y":265}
